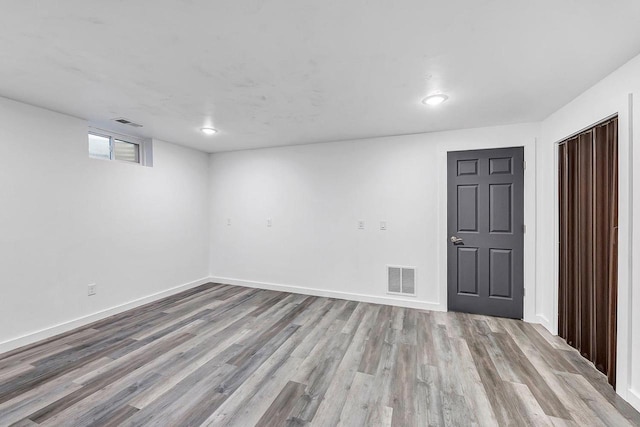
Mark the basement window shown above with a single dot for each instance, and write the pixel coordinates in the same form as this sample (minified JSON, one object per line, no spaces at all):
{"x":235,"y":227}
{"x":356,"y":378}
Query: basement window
{"x":126,"y":151}
{"x":109,"y":146}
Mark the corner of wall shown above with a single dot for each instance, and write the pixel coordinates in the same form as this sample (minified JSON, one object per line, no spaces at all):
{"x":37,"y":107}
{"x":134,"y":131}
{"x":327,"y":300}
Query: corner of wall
{"x":210,"y":214}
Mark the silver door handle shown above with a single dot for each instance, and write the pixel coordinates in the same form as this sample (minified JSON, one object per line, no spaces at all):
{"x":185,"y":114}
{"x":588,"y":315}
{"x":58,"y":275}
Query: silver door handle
{"x":456,"y":240}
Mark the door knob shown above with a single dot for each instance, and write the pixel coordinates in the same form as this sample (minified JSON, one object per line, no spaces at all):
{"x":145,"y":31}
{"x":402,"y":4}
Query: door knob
{"x":456,"y":240}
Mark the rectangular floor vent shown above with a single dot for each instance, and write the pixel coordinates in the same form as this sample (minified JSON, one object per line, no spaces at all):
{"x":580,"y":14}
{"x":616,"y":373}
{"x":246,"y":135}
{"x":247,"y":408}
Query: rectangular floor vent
{"x":401,"y":280}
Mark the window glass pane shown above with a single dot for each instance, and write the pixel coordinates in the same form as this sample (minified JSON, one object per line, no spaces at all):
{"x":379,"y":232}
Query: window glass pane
{"x":99,"y":147}
{"x":127,"y":151}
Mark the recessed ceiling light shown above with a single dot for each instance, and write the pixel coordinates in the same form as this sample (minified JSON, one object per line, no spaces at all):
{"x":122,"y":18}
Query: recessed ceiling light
{"x":436,"y":99}
{"x":209,"y":131}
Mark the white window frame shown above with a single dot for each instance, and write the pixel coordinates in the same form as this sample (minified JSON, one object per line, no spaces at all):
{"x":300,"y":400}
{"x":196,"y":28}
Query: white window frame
{"x":144,"y":146}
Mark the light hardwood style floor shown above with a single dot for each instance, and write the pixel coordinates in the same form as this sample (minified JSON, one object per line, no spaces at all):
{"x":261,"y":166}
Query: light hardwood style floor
{"x":221,"y":355}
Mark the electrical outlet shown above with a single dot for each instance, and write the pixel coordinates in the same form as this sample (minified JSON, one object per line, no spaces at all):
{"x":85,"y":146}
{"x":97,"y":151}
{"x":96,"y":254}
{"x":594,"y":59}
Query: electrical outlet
{"x":383,"y":225}
{"x":92,"y":289}
{"x":269,"y":222}
{"x":360,"y":225}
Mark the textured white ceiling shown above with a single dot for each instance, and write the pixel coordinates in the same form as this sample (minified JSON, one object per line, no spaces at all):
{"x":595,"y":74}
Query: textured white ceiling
{"x":280,"y":72}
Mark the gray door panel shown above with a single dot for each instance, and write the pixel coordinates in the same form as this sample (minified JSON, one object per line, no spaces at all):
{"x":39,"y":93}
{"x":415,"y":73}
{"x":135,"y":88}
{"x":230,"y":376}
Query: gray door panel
{"x":486,"y":211}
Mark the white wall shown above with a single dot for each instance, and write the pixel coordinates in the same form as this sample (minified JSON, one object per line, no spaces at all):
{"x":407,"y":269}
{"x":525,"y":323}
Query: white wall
{"x":316,"y":194}
{"x":608,"y":97}
{"x":67,"y":220}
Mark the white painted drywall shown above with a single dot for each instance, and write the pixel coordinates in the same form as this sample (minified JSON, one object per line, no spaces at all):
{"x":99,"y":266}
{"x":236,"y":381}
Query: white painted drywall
{"x":610,"y":96}
{"x":316,"y":194}
{"x":67,"y":221}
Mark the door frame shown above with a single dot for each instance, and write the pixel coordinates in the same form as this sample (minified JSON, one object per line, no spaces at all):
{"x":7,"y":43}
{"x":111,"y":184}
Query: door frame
{"x":490,"y":139}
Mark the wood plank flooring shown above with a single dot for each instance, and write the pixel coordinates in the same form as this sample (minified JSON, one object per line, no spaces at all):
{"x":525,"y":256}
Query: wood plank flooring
{"x":220,"y":355}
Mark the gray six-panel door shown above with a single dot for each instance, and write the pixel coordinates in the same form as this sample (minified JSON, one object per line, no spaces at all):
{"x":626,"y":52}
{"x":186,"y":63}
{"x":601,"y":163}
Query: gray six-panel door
{"x":486,"y":232}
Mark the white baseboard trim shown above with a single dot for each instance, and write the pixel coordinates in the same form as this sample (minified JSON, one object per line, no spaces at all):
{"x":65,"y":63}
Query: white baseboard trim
{"x":544,"y":321}
{"x":633,"y":397}
{"x":385,"y":300}
{"x":60,"y":328}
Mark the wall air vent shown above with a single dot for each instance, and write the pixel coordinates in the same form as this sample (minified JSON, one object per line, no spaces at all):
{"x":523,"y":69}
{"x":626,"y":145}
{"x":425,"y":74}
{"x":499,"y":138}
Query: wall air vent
{"x":401,"y":280}
{"x":127,"y":122}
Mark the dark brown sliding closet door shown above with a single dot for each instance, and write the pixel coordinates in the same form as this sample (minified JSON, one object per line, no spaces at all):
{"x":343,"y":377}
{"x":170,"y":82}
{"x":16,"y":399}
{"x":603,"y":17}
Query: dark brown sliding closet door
{"x":588,"y":172}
